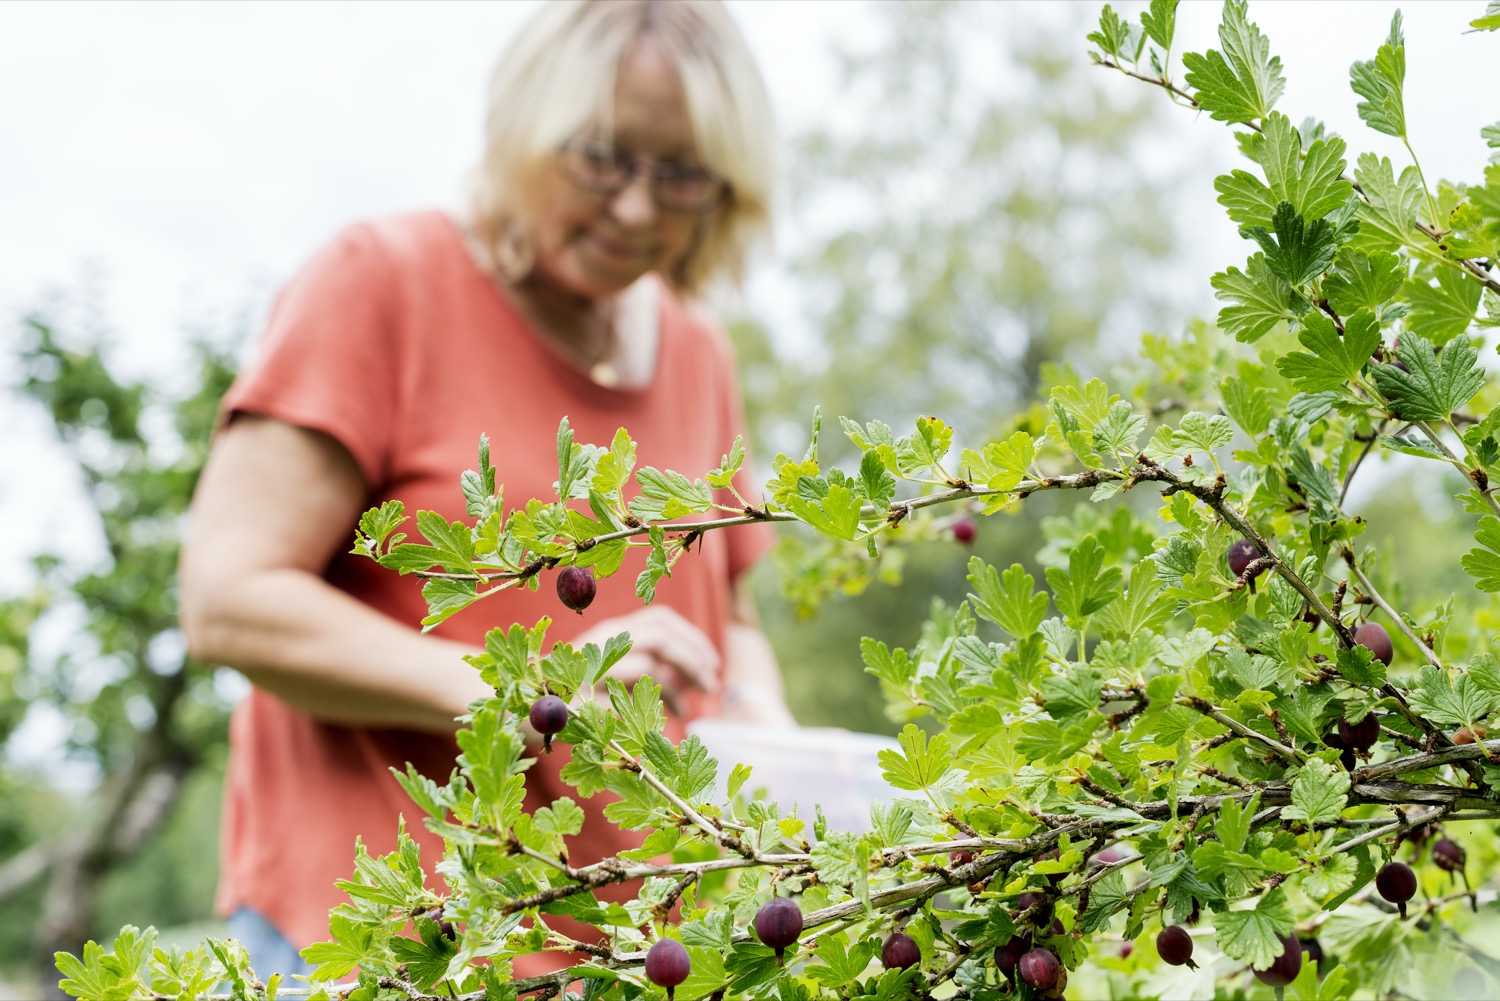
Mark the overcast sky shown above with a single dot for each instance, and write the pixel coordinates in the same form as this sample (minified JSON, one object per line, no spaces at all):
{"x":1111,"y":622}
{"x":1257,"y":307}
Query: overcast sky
{"x":193,"y":154}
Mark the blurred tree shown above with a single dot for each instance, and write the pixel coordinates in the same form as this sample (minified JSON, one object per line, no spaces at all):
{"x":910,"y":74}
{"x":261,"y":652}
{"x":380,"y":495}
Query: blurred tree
{"x":960,"y":221}
{"x":124,"y":702}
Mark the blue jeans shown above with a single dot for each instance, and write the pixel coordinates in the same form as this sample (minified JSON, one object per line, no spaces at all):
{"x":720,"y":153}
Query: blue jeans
{"x":270,"y":951}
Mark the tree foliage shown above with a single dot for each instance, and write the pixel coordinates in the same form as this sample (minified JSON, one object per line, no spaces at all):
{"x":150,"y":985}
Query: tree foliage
{"x":126,"y":703}
{"x":1144,"y":737}
{"x":970,"y":150}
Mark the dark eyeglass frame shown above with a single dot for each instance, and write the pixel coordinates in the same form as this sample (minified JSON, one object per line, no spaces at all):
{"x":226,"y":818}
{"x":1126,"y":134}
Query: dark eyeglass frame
{"x":575,"y":156}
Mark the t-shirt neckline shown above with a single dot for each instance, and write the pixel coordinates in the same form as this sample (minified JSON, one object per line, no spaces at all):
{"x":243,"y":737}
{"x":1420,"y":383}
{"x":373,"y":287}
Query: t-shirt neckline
{"x":576,"y":380}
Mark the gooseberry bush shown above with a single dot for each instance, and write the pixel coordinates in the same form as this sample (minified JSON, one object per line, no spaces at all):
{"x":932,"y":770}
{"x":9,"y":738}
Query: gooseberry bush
{"x":1209,"y":756}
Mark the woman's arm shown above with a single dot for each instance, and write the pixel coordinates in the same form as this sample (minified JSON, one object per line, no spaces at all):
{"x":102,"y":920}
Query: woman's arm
{"x":275,"y":503}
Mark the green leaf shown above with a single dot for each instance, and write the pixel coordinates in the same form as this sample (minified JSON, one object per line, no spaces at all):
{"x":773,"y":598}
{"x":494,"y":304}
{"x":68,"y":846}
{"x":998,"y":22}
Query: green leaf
{"x":706,"y":974}
{"x":1250,"y":936}
{"x":694,"y":771}
{"x":1388,"y":213}
{"x":1484,"y":564}
{"x":657,"y":566}
{"x":1212,"y":860}
{"x":841,"y":965}
{"x":1333,"y":360}
{"x":1484,"y":670}
{"x":450,"y":546}
{"x":1358,"y":666}
{"x":1117,"y":37}
{"x":1431,"y":388}
{"x":1119,"y":431}
{"x":667,"y":494}
{"x":1320,"y":792}
{"x":876,"y":483}
{"x":1001,"y":465}
{"x":931,"y":442}
{"x":1262,"y":300}
{"x":446,"y":597}
{"x":1075,"y":691}
{"x":1006,"y":599}
{"x":1411,"y":444}
{"x":1296,"y":252}
{"x":613,"y":469}
{"x":1312,"y":183}
{"x":376,"y":526}
{"x":1363,"y":281}
{"x":100,"y":975}
{"x":836,"y":513}
{"x":892,"y":667}
{"x":1449,"y":702}
{"x":575,"y":464}
{"x":1089,"y":405}
{"x":1309,"y":408}
{"x":919,"y":765}
{"x":585,"y":771}
{"x":1489,"y":22}
{"x":353,"y":945}
{"x":1234,"y":822}
{"x":1257,"y":673}
{"x":478,"y":486}
{"x":1334,"y":875}
{"x":1160,"y":22}
{"x":1106,"y":898}
{"x":891,"y":822}
{"x":729,"y":465}
{"x":1443,"y":311}
{"x":1379,"y":82}
{"x":1364,"y":874}
{"x":1244,"y":82}
{"x":1203,"y":433}
{"x":605,"y":557}
{"x":1143,"y":608}
{"x":714,"y":931}
{"x":1250,"y":408}
{"x":1085,"y":587}
{"x":639,"y":709}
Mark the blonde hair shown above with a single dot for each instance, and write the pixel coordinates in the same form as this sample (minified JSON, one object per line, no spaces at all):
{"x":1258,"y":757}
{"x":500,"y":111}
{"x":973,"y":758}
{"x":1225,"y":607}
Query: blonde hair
{"x":557,"y":77}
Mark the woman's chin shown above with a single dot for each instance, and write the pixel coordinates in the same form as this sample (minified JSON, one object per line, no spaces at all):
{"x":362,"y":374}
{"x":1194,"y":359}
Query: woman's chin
{"x":600,"y":280}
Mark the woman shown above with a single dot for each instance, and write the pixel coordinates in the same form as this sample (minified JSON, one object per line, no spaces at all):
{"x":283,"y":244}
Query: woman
{"x":627,"y":163}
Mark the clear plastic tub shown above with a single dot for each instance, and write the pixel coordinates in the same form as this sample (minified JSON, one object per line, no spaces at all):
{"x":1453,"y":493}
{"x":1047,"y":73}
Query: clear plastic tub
{"x":804,"y":767}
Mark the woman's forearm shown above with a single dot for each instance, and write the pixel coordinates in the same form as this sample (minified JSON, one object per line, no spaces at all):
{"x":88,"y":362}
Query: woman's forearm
{"x":325,"y":653}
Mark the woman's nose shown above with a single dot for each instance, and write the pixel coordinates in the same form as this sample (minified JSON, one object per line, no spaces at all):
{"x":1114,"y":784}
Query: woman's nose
{"x":633,"y":205}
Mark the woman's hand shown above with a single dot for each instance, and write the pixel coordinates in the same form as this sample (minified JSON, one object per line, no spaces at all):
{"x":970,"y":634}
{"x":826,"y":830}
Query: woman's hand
{"x":676,"y":654}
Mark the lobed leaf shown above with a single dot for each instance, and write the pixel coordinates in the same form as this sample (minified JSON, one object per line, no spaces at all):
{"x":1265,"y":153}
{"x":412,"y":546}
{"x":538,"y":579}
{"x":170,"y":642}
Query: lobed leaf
{"x":1244,"y":82}
{"x":1432,"y":387}
{"x":1331,"y":360}
{"x":1296,"y":252}
{"x":1379,"y":81}
{"x":1261,"y":298}
{"x":1444,"y":308}
{"x":1319,"y":793}
{"x":1311,"y":182}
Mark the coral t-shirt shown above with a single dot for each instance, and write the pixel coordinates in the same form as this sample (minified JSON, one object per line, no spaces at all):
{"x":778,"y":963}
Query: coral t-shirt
{"x":395,"y":343}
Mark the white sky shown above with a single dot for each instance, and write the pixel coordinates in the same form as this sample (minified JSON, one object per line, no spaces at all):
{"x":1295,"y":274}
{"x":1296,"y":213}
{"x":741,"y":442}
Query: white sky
{"x":193,"y":154}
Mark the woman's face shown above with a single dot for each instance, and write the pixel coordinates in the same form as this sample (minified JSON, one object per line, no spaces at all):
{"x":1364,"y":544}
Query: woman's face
{"x":595,"y":245}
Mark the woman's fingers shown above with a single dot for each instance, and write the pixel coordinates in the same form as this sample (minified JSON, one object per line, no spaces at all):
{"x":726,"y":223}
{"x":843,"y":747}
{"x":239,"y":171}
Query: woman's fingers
{"x":664,"y":645}
{"x":662,"y":634}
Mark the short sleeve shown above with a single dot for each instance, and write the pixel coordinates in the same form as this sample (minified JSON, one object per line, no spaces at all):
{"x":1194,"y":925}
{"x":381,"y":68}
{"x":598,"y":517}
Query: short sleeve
{"x":329,"y":358}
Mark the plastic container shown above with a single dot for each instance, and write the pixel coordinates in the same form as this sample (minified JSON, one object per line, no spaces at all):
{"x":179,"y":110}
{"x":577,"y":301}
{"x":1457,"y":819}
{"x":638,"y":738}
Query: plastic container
{"x":803,"y":768}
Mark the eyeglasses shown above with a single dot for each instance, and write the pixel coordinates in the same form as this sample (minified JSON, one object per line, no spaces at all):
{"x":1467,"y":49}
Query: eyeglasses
{"x":605,"y":170}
